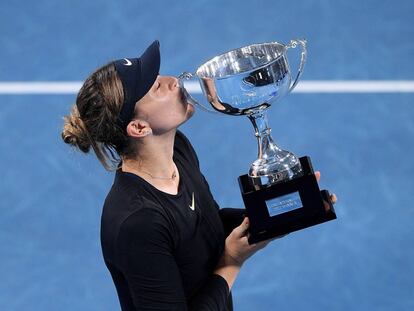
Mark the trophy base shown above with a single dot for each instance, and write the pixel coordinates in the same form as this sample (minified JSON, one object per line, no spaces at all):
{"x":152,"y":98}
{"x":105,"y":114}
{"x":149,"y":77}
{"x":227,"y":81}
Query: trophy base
{"x":278,"y":209}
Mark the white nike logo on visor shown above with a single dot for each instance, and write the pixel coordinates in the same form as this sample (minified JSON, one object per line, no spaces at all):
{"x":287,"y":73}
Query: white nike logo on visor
{"x":128,"y":62}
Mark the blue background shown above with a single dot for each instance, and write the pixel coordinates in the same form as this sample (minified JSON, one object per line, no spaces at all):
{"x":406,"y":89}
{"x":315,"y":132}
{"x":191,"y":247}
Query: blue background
{"x":51,"y":195}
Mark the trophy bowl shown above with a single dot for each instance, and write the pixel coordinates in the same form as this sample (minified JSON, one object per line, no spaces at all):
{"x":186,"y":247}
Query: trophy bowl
{"x":247,"y":81}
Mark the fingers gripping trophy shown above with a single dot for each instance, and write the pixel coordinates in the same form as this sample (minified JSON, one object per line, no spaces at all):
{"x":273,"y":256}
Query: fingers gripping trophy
{"x":280,"y":191}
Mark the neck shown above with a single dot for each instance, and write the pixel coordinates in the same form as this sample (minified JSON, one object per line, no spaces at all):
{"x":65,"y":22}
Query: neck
{"x":155,"y":156}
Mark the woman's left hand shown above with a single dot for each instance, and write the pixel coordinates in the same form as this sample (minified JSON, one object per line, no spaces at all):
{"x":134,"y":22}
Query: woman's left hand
{"x":332,"y":197}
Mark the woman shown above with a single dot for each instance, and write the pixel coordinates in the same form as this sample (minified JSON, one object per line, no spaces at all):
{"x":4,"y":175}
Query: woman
{"x":164,"y":240}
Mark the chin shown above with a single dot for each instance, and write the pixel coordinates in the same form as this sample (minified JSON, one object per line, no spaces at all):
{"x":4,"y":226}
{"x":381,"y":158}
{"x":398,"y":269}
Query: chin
{"x":190,"y":110}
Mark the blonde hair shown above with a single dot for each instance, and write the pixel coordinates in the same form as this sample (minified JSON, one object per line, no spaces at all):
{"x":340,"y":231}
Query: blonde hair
{"x":94,"y":119}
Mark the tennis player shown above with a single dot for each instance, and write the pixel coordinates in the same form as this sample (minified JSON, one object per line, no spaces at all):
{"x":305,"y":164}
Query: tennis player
{"x":165,"y":242}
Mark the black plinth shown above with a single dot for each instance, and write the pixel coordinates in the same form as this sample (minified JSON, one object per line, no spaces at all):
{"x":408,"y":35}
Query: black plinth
{"x":285,"y":207}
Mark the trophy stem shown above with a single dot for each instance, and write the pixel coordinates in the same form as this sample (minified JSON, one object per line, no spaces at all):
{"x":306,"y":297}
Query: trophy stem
{"x":266,"y":147}
{"x":273,"y":164}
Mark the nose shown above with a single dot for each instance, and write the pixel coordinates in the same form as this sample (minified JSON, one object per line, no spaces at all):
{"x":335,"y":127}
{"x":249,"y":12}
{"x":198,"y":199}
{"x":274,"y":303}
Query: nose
{"x":171,"y":81}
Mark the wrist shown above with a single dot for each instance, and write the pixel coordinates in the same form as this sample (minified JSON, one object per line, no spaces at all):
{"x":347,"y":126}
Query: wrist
{"x":228,"y":269}
{"x":227,"y":260}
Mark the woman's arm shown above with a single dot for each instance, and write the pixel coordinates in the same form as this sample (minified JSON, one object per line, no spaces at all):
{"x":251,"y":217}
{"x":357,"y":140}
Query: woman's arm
{"x":237,"y":250}
{"x":152,"y":274}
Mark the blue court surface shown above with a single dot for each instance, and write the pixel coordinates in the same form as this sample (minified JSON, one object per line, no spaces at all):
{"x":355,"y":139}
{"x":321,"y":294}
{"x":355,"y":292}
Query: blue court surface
{"x":363,"y":144}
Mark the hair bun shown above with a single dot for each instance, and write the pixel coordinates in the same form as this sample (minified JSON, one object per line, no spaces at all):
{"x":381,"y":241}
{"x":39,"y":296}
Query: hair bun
{"x":74,"y":132}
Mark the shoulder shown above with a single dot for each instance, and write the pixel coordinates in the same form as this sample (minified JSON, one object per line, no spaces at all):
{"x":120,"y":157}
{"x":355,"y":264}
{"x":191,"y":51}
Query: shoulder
{"x":148,"y":225}
{"x":130,"y":209}
{"x":145,"y":213}
{"x":183,"y":147}
{"x":129,"y":214}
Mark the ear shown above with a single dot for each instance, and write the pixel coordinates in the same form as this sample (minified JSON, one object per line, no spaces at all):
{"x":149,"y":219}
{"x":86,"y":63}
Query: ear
{"x":138,"y":128}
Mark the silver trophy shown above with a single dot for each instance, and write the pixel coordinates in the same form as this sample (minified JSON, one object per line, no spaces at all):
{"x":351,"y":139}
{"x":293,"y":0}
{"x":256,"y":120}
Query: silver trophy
{"x":247,"y":81}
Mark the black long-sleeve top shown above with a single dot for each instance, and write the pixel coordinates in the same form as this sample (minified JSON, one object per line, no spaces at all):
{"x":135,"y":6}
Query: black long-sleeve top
{"x":161,"y":249}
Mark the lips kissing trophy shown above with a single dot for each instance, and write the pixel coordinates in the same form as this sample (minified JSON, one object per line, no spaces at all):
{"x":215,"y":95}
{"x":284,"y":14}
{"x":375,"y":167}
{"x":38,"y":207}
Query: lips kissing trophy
{"x":280,"y":192}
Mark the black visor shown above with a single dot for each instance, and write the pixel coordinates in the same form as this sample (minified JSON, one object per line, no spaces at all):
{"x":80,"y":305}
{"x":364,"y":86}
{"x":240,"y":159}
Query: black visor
{"x":137,"y":76}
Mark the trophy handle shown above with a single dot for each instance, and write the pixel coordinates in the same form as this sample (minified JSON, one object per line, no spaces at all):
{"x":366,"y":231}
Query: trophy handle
{"x":293,"y":44}
{"x":187,"y":77}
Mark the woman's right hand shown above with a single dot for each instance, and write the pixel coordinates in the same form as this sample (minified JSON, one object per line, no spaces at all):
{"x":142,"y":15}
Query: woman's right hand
{"x":237,"y":248}
{"x":236,"y":251}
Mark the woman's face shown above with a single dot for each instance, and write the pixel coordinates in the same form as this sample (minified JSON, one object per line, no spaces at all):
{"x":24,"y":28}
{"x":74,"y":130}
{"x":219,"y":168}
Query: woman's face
{"x":164,"y":106}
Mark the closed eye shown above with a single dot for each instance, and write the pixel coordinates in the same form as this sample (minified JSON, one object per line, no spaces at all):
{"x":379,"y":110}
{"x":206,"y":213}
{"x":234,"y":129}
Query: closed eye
{"x":156,"y":86}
